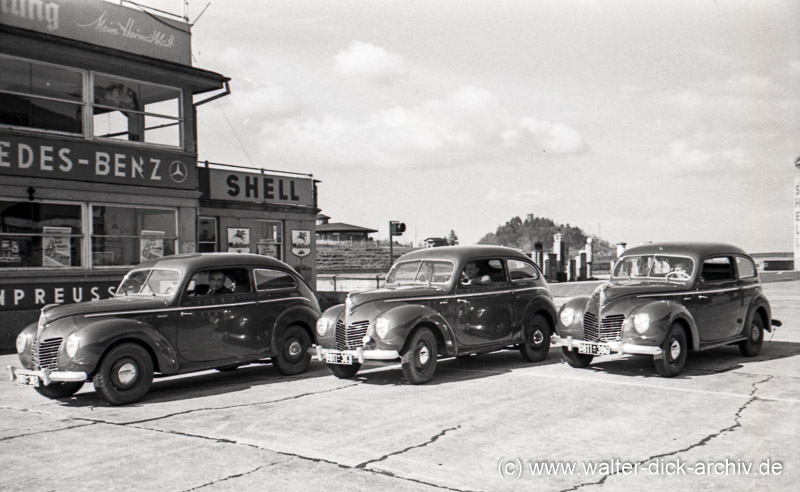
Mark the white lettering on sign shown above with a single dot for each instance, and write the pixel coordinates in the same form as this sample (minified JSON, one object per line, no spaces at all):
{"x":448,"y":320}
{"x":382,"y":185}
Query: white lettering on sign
{"x":24,"y":156}
{"x":35,"y":10}
{"x":129,"y":31}
{"x":39,"y":294}
{"x":18,"y":296}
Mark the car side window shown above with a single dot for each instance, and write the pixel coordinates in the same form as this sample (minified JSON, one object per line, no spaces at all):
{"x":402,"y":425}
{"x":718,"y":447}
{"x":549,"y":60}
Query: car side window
{"x":483,"y":272}
{"x":520,"y":271}
{"x":719,"y":269}
{"x":273,"y":279}
{"x":746,"y":267}
{"x":219,"y":281}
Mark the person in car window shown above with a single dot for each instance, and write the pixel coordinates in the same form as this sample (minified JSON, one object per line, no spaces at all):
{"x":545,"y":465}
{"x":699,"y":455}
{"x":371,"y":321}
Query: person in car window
{"x":216,"y":284}
{"x":470,"y":274}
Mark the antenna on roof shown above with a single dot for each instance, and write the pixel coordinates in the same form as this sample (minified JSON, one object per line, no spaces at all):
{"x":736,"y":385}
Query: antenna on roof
{"x":200,"y":15}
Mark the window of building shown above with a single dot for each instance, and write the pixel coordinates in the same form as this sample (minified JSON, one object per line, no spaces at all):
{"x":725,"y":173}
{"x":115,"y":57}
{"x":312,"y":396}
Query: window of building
{"x":268,"y":237}
{"x":207,"y":235}
{"x":123,"y":236}
{"x":41,"y":96}
{"x":136,"y":111}
{"x":36,"y":234}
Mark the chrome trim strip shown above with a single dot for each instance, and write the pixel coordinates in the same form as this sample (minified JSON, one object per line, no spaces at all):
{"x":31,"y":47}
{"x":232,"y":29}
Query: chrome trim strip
{"x":264,"y":301}
{"x":691,"y":292}
{"x":530,"y":288}
{"x":454,"y":296}
{"x":167,"y":310}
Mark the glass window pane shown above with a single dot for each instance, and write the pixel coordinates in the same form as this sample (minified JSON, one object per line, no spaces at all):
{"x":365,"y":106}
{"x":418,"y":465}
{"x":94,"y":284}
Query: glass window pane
{"x":31,"y":217}
{"x":746,"y":267}
{"x":38,"y":251}
{"x":273,"y":279}
{"x":162,"y":131}
{"x":116,"y":93}
{"x":521,"y":270}
{"x":123,"y":251}
{"x":30,"y":112}
{"x":161,"y":100}
{"x":57,"y":82}
{"x":15,"y":75}
{"x":123,"y":221}
{"x":120,"y":125}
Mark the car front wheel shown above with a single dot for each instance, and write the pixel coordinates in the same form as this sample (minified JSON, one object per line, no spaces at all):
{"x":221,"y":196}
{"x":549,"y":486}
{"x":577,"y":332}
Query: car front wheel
{"x":125,"y":374}
{"x":536,"y":342}
{"x":419,"y":359}
{"x":342,"y":371}
{"x":574,"y":359}
{"x":755,"y":338}
{"x":674,"y":353}
{"x":59,"y":390}
{"x":293,"y":357}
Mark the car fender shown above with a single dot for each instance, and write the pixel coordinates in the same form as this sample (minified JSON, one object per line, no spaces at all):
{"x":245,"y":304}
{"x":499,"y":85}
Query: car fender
{"x":103,"y":334}
{"x":25,"y":355}
{"x":663,"y":314}
{"x":301,"y":314}
{"x":759,"y":302}
{"x":541,"y":305}
{"x":331,"y":314}
{"x":404,"y":319}
{"x":575,"y":329}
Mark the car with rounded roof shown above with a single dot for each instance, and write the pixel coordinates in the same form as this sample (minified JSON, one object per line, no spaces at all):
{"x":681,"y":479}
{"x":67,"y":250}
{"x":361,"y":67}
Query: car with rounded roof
{"x":441,"y":302}
{"x":172,"y":315}
{"x":666,"y":299}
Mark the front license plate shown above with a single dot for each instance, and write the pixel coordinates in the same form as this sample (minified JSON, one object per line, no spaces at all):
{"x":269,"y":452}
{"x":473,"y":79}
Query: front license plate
{"x":28,"y":380}
{"x":594,"y":349}
{"x":336,"y":358}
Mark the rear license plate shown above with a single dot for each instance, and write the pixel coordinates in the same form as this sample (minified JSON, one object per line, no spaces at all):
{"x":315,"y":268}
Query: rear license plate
{"x":28,"y":380}
{"x":337,"y":358}
{"x":594,"y":349}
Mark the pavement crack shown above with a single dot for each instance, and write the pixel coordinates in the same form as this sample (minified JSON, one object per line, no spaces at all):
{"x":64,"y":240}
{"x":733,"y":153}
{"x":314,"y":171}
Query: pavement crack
{"x":49,"y":431}
{"x":702,"y":442}
{"x":429,"y":441}
{"x":230,"y":477}
{"x":243,"y":405}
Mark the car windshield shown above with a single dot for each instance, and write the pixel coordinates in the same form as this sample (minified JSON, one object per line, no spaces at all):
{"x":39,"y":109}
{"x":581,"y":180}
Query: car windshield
{"x":658,"y":267}
{"x":420,"y":272}
{"x":149,"y":282}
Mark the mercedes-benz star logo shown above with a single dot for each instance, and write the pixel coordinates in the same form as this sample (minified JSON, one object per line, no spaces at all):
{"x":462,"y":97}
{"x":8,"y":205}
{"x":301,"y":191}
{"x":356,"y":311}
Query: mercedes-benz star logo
{"x":177,"y":171}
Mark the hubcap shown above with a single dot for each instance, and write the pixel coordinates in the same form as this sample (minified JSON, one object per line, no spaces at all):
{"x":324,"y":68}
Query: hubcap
{"x":127,"y":373}
{"x":755,"y":333}
{"x":538,"y":337}
{"x":675,"y":350}
{"x":424,"y":355}
{"x":295,"y":348}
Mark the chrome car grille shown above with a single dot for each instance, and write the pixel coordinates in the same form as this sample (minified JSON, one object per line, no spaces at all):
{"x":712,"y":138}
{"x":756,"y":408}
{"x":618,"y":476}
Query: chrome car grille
{"x":610,"y":328}
{"x":350,"y":338}
{"x":44,"y":355}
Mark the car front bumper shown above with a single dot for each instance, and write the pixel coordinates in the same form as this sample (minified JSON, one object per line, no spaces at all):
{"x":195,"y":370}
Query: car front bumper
{"x":46,"y":376}
{"x":615,"y":347}
{"x":360,"y":354}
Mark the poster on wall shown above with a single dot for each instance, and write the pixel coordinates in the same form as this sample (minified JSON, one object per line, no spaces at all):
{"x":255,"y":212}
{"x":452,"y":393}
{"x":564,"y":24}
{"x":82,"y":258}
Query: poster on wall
{"x":268,"y":248}
{"x":9,"y":251}
{"x":238,"y":239}
{"x":301,"y":243}
{"x":151,"y":245}
{"x":55,"y":246}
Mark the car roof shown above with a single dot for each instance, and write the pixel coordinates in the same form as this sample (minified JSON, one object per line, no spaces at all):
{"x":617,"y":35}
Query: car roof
{"x":194,"y":261}
{"x":458,"y":254}
{"x":693,"y":249}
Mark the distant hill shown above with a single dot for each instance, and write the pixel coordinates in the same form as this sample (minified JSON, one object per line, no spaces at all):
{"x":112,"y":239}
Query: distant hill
{"x":520,"y":234}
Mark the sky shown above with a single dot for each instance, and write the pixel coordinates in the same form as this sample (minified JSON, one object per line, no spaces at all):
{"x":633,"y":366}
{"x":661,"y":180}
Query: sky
{"x":634,"y":120}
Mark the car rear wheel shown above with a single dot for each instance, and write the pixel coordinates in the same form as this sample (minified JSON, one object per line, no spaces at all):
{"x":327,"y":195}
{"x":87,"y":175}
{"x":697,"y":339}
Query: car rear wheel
{"x":675,"y":349}
{"x":574,"y":359}
{"x":342,"y":371}
{"x":419,"y":359}
{"x":293,"y":357}
{"x":125,"y":374}
{"x":536,"y":342}
{"x":755,"y":338}
{"x":59,"y":390}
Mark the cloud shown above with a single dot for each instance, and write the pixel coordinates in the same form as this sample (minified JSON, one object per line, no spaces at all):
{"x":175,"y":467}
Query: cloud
{"x":365,"y":59}
{"x":689,"y":158}
{"x":468,"y":126}
{"x":528,"y":197}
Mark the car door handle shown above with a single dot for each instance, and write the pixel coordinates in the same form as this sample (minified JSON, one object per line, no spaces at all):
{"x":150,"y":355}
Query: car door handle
{"x":184,"y":313}
{"x":463,"y":301}
{"x":702,"y":297}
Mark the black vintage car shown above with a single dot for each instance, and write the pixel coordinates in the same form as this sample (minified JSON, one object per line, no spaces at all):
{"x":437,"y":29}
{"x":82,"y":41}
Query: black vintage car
{"x":447,"y":301}
{"x":173,"y":315}
{"x":666,"y":299}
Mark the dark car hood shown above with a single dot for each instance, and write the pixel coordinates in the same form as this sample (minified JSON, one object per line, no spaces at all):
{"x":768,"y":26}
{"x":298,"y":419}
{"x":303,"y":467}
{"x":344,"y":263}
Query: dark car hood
{"x":387,"y":293}
{"x":57,"y":311}
{"x":616,"y":290}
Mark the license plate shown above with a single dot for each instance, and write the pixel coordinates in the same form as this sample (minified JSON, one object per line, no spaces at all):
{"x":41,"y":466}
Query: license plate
{"x":337,"y":358}
{"x":594,"y":349}
{"x":28,"y":380}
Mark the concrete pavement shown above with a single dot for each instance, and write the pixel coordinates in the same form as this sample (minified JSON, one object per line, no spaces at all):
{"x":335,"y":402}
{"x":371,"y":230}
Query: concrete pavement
{"x":484,"y":423}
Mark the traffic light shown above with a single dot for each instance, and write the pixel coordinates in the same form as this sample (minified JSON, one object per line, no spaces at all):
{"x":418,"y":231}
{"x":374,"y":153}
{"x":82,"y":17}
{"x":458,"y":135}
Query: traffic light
{"x":397,"y":228}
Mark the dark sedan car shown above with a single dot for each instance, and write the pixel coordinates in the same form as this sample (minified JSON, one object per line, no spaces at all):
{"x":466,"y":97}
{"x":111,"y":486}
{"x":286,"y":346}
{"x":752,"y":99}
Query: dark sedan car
{"x":448,"y":301}
{"x":665,"y":300}
{"x":173,"y":315}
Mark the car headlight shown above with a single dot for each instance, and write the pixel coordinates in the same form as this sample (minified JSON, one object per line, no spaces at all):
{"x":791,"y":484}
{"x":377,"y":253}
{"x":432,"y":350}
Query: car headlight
{"x":382,"y":327}
{"x":641,"y":321}
{"x":567,"y":316}
{"x":322,"y":326}
{"x":22,"y":342}
{"x":73,"y":343}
